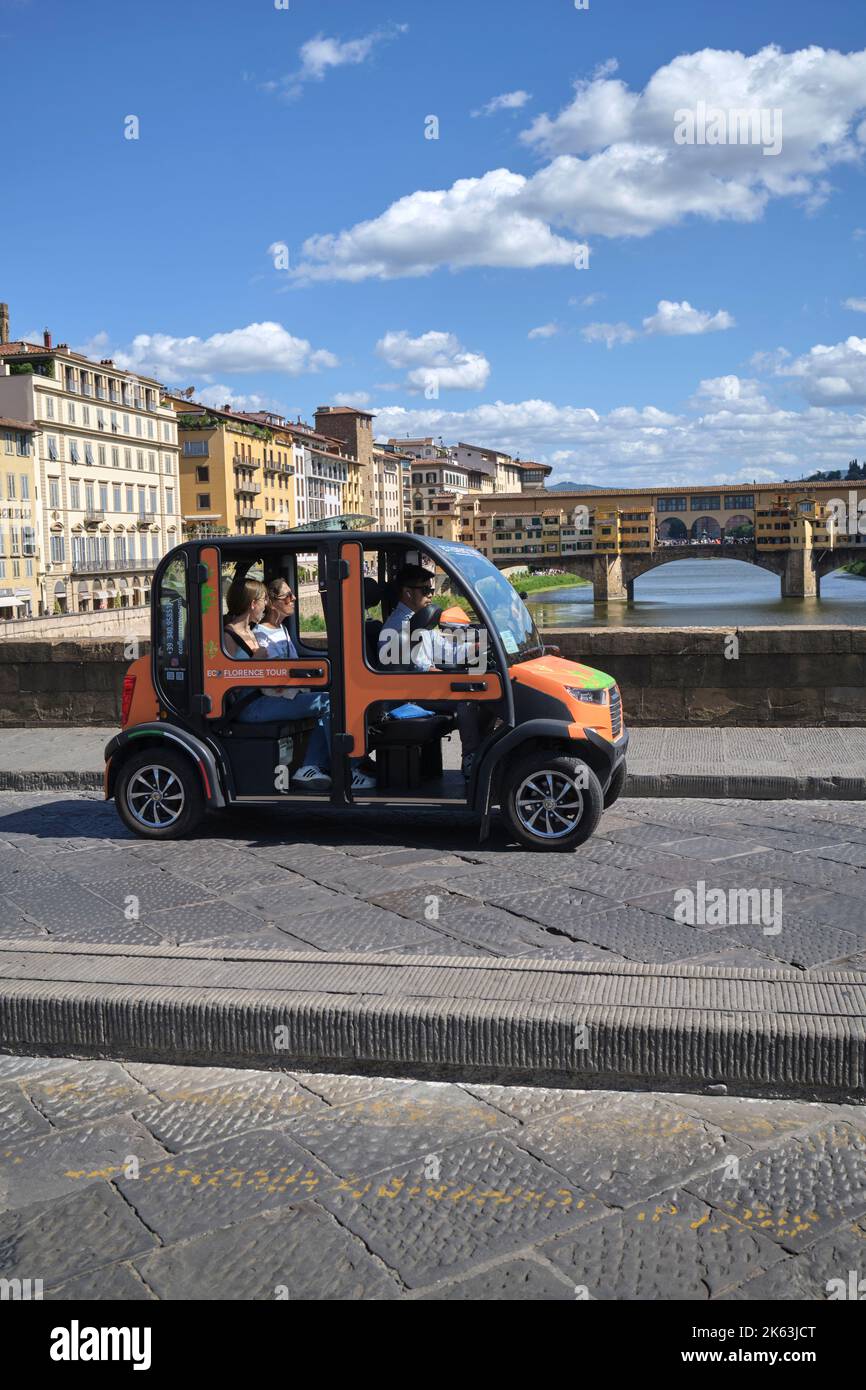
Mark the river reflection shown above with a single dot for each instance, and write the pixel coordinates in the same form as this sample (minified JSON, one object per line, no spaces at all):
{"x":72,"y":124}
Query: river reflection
{"x":705,"y":593}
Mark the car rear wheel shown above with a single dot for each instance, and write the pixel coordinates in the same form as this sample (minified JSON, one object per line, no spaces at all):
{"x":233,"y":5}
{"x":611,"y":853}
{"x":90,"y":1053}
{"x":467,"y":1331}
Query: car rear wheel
{"x":158,"y":794}
{"x":551,"y":802}
{"x":617,"y":785}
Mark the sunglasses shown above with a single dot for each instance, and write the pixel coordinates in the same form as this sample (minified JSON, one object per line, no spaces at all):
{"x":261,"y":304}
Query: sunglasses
{"x":420,"y":588}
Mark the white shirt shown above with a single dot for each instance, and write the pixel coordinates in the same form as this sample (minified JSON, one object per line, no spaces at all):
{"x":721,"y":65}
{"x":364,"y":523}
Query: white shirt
{"x":280,"y":647}
{"x":424,"y":648}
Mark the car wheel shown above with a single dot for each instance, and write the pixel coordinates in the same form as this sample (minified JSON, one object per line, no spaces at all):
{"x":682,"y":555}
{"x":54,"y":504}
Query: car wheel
{"x":158,"y":794}
{"x":617,"y":784}
{"x":551,"y":802}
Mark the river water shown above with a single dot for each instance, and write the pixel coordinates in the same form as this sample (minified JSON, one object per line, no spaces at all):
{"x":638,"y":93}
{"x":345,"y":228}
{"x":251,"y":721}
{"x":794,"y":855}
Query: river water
{"x":705,"y":593}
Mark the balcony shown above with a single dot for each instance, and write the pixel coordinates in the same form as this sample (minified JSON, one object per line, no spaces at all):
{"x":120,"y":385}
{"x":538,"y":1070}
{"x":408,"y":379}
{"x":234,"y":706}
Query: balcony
{"x":247,"y":489}
{"x":248,"y":514}
{"x":145,"y":519}
{"x":94,"y":517}
{"x":246,"y":465}
{"x":125,"y":566}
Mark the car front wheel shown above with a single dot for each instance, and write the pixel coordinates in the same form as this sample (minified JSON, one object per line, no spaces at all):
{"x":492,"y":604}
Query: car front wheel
{"x":551,"y":801}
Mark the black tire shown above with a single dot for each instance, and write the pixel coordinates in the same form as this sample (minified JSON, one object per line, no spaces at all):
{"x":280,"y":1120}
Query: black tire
{"x":617,"y":785}
{"x":568,"y":781}
{"x":177,"y":780}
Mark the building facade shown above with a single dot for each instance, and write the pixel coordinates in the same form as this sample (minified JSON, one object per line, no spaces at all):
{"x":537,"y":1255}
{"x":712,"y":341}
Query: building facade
{"x":236,"y":470}
{"x":536,"y":528}
{"x":20,"y":523}
{"x":323,"y":483}
{"x":106,"y":473}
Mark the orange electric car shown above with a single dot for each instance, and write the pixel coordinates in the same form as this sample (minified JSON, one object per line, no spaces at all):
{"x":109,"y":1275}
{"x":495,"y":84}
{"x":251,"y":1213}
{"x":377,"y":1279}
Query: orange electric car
{"x":552,"y":750}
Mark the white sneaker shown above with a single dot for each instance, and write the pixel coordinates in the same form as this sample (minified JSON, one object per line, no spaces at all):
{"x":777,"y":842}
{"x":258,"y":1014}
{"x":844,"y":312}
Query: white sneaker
{"x":361,"y":782}
{"x":310,"y":776}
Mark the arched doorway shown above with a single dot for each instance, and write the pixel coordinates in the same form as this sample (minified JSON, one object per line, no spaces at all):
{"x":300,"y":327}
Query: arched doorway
{"x":739,"y":527}
{"x":672,"y":529}
{"x":84,"y":597}
{"x":123,"y":588}
{"x":706,"y":528}
{"x":60,"y":599}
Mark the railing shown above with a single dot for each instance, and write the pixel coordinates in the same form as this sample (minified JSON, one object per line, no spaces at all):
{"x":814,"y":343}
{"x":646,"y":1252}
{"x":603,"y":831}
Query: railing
{"x":113,"y":566}
{"x":93,"y":516}
{"x":248,"y":513}
{"x":247,"y":489}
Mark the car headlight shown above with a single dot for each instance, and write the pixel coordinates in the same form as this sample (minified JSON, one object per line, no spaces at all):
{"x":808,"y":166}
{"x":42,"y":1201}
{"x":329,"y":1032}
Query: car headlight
{"x":589,"y":697}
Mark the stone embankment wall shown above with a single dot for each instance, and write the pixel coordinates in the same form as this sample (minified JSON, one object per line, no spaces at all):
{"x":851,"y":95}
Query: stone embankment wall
{"x":716,"y":676}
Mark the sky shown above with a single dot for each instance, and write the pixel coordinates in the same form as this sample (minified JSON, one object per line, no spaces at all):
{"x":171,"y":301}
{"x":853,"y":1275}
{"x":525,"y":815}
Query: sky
{"x":534,"y":227}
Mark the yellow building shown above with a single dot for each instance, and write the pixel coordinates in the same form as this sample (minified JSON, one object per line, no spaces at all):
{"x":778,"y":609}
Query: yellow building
{"x":795,"y":519}
{"x":523,"y":527}
{"x":236,"y":471}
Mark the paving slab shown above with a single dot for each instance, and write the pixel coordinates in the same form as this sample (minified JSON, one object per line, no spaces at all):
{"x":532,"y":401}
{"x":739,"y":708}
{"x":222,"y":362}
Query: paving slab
{"x":299,"y":1255}
{"x":673,"y":1247}
{"x":472,"y":1193}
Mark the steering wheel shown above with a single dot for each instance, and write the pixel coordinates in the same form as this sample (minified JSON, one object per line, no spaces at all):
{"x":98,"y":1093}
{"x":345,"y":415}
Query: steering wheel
{"x":425,"y":618}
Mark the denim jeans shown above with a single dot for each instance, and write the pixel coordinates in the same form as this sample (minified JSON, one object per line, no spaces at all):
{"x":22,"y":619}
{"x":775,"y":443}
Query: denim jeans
{"x":272,"y":709}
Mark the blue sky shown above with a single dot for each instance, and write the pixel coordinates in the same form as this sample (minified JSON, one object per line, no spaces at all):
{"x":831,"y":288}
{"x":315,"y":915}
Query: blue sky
{"x":718,"y":331}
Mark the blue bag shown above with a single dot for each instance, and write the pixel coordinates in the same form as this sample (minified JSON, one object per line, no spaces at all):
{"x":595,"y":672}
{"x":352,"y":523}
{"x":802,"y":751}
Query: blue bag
{"x":410,"y":712}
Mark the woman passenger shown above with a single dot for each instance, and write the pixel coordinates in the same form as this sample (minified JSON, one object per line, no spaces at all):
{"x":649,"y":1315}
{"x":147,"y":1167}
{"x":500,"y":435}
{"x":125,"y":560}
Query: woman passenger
{"x":248,"y":637}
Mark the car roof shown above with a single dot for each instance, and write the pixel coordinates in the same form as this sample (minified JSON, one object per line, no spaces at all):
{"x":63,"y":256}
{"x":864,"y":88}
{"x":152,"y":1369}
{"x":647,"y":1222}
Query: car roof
{"x":305,"y":539}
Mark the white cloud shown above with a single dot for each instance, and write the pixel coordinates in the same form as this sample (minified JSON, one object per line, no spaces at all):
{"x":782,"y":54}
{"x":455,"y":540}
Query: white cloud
{"x":544,"y":330}
{"x":96,"y":347}
{"x":355,"y":398}
{"x":586,"y":302}
{"x":434,"y":359}
{"x":858,"y":305}
{"x":833,"y":375}
{"x":508,"y":101}
{"x":615,"y":170}
{"x":475,"y":222}
{"x":609,"y":333}
{"x":671,"y":318}
{"x":219,"y":396}
{"x":729,"y":431}
{"x":259,"y":347}
{"x":322,"y":54}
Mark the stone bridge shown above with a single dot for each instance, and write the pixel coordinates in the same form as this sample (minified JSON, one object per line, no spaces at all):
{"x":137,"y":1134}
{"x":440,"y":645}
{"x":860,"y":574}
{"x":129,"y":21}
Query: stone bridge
{"x":612,"y":576}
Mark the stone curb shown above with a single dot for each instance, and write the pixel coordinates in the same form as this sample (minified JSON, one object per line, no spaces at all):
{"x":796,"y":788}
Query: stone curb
{"x":621,"y":1026}
{"x":745,"y":786}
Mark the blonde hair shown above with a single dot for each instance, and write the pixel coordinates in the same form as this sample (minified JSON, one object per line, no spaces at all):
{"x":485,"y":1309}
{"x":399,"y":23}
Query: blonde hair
{"x":241,"y":596}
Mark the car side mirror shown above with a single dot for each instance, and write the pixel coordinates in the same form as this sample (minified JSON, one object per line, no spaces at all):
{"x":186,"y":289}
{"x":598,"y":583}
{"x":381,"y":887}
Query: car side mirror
{"x":551,"y":651}
{"x":522,"y":593}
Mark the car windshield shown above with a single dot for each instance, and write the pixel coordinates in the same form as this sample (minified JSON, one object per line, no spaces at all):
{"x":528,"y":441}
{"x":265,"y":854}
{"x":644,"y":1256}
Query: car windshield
{"x":511,"y":616}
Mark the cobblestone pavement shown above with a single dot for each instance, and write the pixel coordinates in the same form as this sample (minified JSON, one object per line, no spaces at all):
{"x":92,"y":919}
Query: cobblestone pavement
{"x":157,"y":1182}
{"x":703,"y":882}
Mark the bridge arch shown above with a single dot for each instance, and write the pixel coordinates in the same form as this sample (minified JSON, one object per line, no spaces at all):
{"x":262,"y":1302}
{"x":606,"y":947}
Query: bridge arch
{"x":706,"y":526}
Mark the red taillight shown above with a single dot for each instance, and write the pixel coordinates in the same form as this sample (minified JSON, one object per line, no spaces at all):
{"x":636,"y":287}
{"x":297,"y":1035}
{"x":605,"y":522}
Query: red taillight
{"x":126,"y":699}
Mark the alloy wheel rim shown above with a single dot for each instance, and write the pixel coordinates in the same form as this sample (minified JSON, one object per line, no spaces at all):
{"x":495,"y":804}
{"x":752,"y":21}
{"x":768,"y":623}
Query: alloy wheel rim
{"x":549,"y":804}
{"x":155,"y":797}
